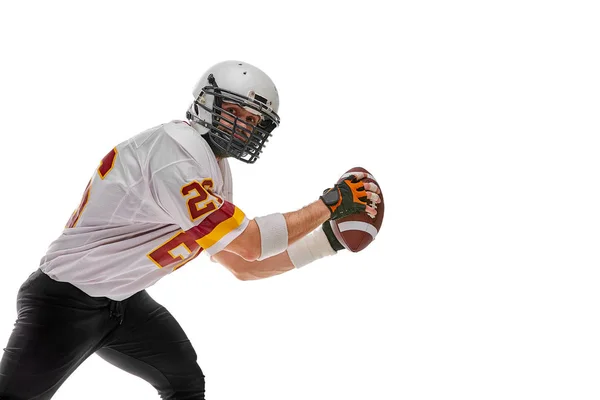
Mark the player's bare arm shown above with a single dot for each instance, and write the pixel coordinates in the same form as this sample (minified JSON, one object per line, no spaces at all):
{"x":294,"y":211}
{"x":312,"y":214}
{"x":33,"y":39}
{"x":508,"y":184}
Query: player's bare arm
{"x":305,"y":243}
{"x":299,"y":224}
{"x":253,"y":270}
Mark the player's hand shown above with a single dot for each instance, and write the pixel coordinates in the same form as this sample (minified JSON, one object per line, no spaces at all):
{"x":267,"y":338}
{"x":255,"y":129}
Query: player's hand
{"x":352,"y":196}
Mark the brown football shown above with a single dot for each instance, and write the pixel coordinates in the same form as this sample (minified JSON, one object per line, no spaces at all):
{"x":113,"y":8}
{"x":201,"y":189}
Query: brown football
{"x":357,"y":231}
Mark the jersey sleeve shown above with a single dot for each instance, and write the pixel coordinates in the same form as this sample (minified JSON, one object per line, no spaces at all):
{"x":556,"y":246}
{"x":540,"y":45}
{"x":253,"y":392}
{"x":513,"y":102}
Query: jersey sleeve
{"x":185,"y":194}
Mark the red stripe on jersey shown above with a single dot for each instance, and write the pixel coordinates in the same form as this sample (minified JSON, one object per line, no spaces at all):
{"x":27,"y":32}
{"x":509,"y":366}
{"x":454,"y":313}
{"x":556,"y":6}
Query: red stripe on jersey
{"x":209,"y":223}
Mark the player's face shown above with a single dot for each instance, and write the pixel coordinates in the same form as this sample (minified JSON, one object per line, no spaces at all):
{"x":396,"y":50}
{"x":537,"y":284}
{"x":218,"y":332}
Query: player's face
{"x":246,"y":120}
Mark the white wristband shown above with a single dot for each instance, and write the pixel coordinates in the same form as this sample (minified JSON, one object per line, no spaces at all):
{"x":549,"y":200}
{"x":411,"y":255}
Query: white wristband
{"x":310,"y":248}
{"x":273,"y":235}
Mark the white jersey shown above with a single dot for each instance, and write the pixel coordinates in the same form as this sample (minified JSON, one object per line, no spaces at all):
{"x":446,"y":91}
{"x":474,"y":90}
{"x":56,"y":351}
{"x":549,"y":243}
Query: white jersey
{"x":155,"y":202}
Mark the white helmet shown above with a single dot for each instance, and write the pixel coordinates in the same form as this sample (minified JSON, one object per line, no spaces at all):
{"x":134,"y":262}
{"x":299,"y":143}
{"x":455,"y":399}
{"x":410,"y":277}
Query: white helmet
{"x":247,"y":86}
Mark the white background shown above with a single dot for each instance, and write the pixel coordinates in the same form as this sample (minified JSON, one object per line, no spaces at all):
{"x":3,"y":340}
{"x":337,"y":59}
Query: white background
{"x":479,"y":119}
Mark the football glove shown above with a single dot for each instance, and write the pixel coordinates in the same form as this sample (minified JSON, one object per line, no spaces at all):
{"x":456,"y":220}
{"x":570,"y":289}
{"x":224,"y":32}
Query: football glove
{"x":352,"y":196}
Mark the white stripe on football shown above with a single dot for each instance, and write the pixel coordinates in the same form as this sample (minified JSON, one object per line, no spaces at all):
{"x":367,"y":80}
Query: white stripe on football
{"x":358,"y":226}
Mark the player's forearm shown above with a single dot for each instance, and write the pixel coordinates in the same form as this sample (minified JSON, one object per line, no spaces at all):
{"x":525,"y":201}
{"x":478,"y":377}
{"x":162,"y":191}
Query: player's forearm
{"x":284,"y":230}
{"x":300,"y":223}
{"x":253,"y":270}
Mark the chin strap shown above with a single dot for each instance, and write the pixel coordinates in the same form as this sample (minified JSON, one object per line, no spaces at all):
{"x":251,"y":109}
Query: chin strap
{"x":217,"y":151}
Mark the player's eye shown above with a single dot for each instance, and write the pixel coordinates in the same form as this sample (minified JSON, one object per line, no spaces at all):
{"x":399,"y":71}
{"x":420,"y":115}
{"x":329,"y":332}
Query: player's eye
{"x":252,"y":120}
{"x":231,"y":110}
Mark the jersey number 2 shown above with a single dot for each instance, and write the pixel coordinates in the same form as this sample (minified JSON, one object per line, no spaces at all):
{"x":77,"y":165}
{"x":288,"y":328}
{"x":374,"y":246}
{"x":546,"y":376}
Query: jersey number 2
{"x":200,"y":204}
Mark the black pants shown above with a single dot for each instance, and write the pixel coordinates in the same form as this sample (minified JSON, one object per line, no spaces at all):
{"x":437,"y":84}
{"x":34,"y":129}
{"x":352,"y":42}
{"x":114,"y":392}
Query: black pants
{"x":59,"y":326}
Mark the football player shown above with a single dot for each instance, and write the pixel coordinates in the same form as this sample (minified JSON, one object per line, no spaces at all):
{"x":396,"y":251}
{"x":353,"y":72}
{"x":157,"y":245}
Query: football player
{"x":156,"y":202}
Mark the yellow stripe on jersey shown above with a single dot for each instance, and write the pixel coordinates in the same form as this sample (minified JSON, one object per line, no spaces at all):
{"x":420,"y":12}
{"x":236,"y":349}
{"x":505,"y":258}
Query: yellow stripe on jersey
{"x":222,"y":229}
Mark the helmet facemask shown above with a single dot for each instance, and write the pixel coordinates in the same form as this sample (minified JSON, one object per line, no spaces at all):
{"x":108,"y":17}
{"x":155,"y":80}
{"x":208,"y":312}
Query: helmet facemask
{"x":230,"y":135}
